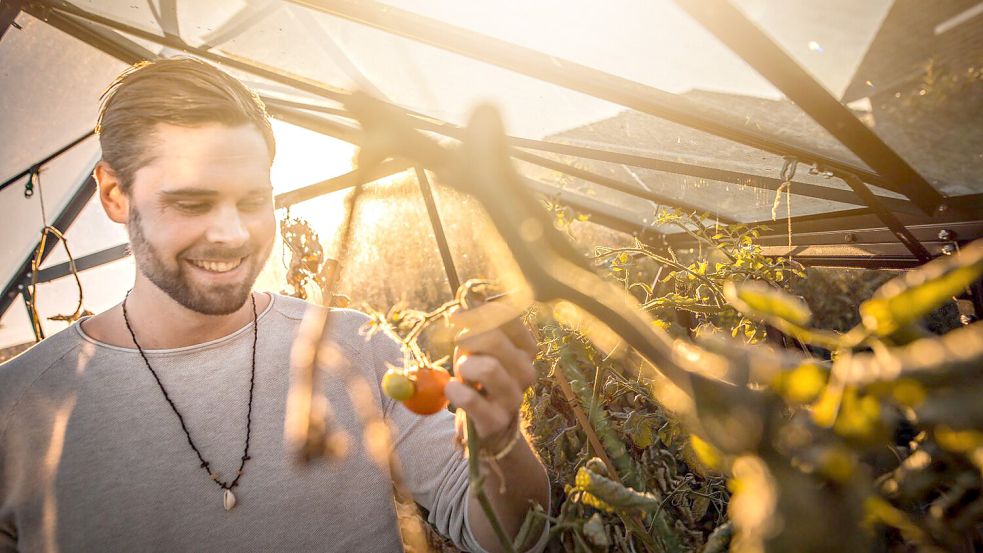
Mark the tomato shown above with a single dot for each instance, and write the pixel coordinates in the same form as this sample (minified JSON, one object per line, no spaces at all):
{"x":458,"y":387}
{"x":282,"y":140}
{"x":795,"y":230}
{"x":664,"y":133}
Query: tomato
{"x":397,"y":385}
{"x":429,"y":395}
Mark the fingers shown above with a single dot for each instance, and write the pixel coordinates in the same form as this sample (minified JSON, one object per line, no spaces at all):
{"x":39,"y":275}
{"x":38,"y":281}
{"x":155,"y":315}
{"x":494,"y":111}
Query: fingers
{"x":517,"y":363}
{"x":489,"y":373}
{"x":489,"y":418}
{"x":496,"y":315}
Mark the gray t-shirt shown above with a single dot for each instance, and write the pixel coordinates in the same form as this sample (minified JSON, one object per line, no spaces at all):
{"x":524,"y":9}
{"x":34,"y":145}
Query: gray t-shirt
{"x":92,"y":458}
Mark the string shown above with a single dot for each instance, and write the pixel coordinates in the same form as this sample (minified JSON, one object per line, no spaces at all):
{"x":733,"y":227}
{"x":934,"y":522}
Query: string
{"x":46,"y":230}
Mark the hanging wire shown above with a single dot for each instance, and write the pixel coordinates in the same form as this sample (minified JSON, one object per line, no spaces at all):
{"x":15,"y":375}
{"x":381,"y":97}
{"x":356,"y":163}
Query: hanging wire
{"x":789,"y":166}
{"x":34,"y":183}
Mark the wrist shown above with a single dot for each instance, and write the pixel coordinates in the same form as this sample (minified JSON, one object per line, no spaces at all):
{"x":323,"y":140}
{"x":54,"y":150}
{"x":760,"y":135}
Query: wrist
{"x":497,"y":447}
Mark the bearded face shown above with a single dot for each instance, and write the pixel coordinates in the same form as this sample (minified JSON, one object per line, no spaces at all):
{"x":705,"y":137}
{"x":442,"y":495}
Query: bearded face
{"x":201,"y":220}
{"x":215,"y":291}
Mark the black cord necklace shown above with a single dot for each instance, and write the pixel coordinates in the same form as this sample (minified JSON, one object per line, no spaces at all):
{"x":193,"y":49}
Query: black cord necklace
{"x":229,"y":499}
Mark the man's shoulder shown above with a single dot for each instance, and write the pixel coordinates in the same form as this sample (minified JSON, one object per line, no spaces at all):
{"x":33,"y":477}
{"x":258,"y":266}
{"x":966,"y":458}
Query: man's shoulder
{"x":19,"y":373}
{"x":349,"y":327}
{"x":296,"y":309}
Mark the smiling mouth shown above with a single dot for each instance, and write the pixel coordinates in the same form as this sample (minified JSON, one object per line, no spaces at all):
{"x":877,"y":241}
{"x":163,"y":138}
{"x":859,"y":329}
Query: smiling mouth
{"x":216,"y":266}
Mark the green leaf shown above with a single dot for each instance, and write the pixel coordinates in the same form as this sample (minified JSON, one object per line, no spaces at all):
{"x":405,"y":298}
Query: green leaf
{"x":906,"y":299}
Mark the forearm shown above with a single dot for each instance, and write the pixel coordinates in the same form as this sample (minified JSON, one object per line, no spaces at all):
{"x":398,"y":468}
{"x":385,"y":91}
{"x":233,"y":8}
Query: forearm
{"x":525,"y":481}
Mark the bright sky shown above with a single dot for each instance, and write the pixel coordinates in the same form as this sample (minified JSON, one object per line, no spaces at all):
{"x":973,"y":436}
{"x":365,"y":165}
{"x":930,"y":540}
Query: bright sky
{"x":650,"y":41}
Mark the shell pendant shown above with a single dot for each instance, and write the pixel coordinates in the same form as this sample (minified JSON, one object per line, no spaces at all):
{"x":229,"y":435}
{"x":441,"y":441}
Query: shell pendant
{"x":229,"y":500}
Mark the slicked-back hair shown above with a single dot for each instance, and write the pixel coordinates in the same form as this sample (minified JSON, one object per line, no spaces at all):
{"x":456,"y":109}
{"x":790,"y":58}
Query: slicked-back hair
{"x":180,"y":91}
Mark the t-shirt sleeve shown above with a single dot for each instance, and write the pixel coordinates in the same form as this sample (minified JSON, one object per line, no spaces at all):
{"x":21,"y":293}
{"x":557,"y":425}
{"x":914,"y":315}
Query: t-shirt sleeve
{"x":432,"y":468}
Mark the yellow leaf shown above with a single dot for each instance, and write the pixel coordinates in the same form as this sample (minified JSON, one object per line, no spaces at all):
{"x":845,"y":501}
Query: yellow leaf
{"x":758,"y":298}
{"x":906,"y":299}
{"x":706,"y":453}
{"x":960,"y":441}
{"x":908,"y":392}
{"x":802,"y":384}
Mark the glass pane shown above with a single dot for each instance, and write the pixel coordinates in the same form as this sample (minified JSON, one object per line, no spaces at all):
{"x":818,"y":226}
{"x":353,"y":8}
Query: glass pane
{"x":91,"y":232}
{"x":912,"y":74}
{"x":49,"y":96}
{"x":653,"y":43}
{"x":22,"y":221}
{"x":103,"y":287}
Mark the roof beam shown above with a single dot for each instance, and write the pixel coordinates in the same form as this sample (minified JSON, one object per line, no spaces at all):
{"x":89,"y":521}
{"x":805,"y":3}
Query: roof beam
{"x":9,"y":10}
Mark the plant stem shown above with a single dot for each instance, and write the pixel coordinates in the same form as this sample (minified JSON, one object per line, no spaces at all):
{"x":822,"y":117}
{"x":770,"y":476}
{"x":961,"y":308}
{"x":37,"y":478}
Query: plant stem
{"x":717,"y":292}
{"x":477,"y":486}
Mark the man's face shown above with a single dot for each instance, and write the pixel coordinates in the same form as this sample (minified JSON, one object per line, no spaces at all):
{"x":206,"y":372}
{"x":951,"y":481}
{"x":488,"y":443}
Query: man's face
{"x":201,"y":219}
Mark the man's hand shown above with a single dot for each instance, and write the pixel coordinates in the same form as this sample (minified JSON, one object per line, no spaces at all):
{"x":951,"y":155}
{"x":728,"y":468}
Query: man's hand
{"x":494,"y":357}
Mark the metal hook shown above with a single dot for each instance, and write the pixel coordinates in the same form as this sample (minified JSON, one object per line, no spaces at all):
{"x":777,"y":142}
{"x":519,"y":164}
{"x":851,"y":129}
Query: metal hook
{"x":788,"y":168}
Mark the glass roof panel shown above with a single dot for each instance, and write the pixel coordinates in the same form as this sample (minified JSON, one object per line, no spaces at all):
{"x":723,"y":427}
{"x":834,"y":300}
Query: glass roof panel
{"x":912,"y":74}
{"x":652,"y":43}
{"x":41,"y":114}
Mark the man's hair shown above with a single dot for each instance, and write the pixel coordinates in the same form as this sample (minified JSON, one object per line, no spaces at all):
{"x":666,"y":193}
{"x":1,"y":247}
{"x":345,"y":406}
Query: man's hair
{"x":179,"y":91}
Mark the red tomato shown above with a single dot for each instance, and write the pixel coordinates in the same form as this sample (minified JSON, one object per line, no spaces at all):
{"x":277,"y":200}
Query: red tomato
{"x":428,"y":397}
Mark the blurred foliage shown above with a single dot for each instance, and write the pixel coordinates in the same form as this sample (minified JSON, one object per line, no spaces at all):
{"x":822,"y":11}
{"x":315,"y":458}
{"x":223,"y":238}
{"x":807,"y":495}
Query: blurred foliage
{"x":864,"y":433}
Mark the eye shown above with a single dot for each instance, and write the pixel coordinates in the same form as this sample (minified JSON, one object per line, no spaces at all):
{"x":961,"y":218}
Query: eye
{"x":254,"y":203}
{"x":193,"y":207}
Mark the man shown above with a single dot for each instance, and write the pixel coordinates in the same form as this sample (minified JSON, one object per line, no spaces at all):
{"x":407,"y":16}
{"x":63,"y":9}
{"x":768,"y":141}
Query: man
{"x":158,"y":424}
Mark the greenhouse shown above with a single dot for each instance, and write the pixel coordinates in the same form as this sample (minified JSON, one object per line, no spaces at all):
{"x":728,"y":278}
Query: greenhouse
{"x":742,"y":236}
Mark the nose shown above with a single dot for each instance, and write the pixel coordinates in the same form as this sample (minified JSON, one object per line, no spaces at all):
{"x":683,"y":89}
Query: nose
{"x":227,"y":228}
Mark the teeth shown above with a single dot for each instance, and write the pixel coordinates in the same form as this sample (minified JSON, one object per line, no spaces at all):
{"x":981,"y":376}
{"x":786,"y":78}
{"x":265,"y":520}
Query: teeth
{"x":216,"y":266}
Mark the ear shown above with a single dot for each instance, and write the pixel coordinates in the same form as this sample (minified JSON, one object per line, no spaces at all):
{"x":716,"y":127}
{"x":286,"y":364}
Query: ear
{"x":114,"y":200}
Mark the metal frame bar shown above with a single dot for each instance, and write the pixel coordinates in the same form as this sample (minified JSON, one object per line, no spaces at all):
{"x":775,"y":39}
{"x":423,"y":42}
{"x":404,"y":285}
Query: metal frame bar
{"x":889,"y":219}
{"x":738,"y":33}
{"x":453,"y":279}
{"x":63,"y":220}
{"x":45,"y":160}
{"x":107,"y":41}
{"x":89,"y":261}
{"x":340,"y":182}
{"x":9,"y":10}
{"x":710,"y":173}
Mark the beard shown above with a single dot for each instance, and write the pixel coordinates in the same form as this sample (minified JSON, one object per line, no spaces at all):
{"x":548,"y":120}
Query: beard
{"x":175,"y":282}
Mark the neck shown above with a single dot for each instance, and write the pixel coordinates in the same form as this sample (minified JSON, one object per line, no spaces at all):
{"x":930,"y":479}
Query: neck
{"x":160,"y":322}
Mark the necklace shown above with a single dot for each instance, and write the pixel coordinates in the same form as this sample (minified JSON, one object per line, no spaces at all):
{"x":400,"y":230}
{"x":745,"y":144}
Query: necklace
{"x":228,"y":498}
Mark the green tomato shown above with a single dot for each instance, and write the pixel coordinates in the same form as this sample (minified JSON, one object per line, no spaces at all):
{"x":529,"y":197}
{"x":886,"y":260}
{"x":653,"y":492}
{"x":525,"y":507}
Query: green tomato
{"x":397,"y":385}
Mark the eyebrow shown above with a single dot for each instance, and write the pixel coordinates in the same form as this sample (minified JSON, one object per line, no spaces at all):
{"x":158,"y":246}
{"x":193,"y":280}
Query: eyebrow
{"x":206,"y":193}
